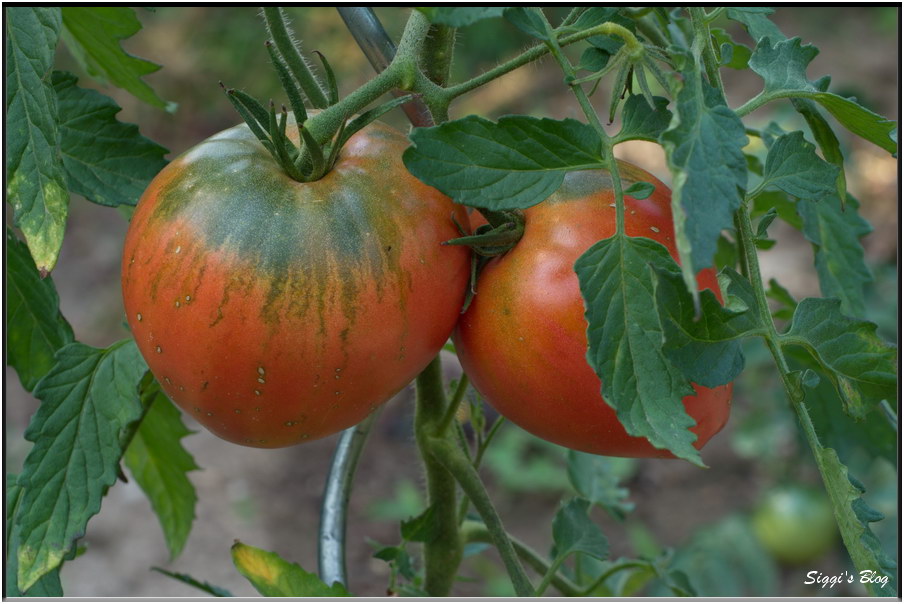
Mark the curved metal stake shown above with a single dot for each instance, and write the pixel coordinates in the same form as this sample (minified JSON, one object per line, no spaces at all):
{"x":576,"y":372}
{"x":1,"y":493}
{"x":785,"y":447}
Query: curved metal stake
{"x":379,"y":50}
{"x":331,"y":541}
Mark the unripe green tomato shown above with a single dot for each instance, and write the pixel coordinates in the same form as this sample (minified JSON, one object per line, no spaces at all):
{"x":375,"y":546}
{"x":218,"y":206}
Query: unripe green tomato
{"x":795,"y":524}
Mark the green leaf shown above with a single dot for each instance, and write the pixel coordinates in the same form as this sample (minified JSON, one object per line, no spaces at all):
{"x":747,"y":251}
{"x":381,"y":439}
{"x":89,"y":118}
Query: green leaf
{"x":527,"y":20}
{"x":514,"y":163}
{"x":596,"y":478}
{"x":725,"y":560}
{"x":825,"y":138}
{"x":708,"y":349}
{"x":115,"y":172}
{"x":640,"y":122}
{"x":854,"y":517}
{"x":421,"y":528}
{"x":460,"y":16}
{"x":92,"y":34}
{"x":204,"y":586}
{"x":159,"y":464}
{"x":874,"y":435}
{"x":731,"y":54}
{"x":274,"y":577}
{"x":838,"y":254}
{"x":625,"y":342}
{"x":35,"y":327}
{"x":573,"y":531}
{"x":87,"y":400}
{"x":793,"y":166}
{"x":756,"y":21}
{"x":860,"y":365}
{"x":640,"y":190}
{"x":783,"y":67}
{"x":36,"y":182}
{"x":704,"y":149}
{"x":787,"y":302}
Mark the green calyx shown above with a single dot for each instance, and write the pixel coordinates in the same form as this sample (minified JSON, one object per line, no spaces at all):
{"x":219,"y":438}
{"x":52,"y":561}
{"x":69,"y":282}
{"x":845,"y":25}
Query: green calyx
{"x":303,"y":157}
{"x":503,"y":232}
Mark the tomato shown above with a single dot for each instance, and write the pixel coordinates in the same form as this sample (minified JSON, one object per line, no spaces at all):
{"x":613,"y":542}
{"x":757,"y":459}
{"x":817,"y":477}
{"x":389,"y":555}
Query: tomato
{"x":795,"y":524}
{"x":523,"y":339}
{"x":275,"y":311}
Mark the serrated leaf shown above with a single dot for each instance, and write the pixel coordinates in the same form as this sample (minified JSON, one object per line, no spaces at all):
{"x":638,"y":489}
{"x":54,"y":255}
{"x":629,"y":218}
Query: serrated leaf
{"x":854,"y":517}
{"x":573,"y":531}
{"x":625,"y":342}
{"x":159,"y":464}
{"x":783,"y":67}
{"x":35,"y":327}
{"x":204,"y":586}
{"x":421,"y":528}
{"x":756,"y":21}
{"x":516,"y":162}
{"x":873,"y":435}
{"x":596,"y":478}
{"x":825,"y":138}
{"x":116,"y":172}
{"x":36,"y":181}
{"x":838,"y":254}
{"x":527,"y":20}
{"x":460,"y":16}
{"x":793,"y":166}
{"x":704,"y":149}
{"x":93,"y":34}
{"x":87,"y":400}
{"x":274,"y":577}
{"x":708,"y":349}
{"x":860,"y":365}
{"x":640,"y":122}
{"x":732,"y":54}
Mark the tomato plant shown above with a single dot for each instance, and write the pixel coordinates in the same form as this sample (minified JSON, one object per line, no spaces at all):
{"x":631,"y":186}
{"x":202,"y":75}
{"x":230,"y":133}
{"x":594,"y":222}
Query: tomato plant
{"x":276,"y":311}
{"x":528,"y":303}
{"x":283,"y":278}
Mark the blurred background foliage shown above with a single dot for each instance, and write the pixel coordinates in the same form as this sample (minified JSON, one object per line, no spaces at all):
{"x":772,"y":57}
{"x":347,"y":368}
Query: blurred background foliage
{"x":706,"y":517}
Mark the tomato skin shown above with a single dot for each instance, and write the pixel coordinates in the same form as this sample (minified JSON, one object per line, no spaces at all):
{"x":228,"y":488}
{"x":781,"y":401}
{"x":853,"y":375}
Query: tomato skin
{"x":276,"y":312}
{"x":523,"y":340}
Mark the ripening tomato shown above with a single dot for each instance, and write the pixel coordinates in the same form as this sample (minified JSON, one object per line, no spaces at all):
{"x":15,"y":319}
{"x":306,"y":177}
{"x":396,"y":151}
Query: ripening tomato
{"x":275,"y":311}
{"x":795,"y":524}
{"x":523,"y":340}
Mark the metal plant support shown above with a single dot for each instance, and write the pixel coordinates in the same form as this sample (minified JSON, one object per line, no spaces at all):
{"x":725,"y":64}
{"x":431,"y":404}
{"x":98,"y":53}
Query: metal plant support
{"x":379,"y":50}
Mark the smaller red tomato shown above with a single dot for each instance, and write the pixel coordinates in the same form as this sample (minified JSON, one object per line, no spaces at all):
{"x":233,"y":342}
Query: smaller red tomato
{"x":523,"y":340}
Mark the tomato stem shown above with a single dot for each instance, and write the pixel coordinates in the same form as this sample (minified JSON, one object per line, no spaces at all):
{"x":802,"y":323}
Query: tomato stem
{"x":282,"y":37}
{"x":703,"y":42}
{"x":457,"y":463}
{"x":443,"y":553}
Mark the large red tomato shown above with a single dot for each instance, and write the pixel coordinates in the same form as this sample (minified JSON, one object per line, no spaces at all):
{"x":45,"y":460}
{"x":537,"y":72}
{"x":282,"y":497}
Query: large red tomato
{"x":275,"y":311}
{"x":523,"y":340}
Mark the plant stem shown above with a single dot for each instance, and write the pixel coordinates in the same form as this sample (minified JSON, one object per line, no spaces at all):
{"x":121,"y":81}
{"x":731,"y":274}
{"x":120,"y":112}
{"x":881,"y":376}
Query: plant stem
{"x":438,"y":53}
{"x":276,"y":24}
{"x":549,"y":576}
{"x":531,"y":54}
{"x":476,"y":532}
{"x":455,"y":461}
{"x":702,"y":37}
{"x":442,"y":554}
{"x":584,"y":101}
{"x":452,"y":408}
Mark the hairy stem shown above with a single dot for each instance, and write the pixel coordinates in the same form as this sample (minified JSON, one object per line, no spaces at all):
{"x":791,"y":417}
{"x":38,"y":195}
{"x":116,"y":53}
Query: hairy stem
{"x":276,"y":24}
{"x":457,"y":463}
{"x":703,"y":38}
{"x":443,"y":553}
